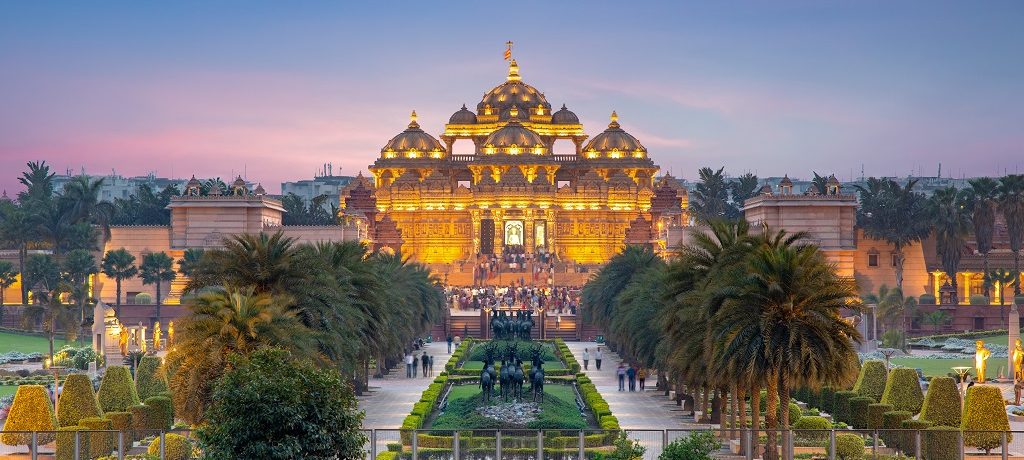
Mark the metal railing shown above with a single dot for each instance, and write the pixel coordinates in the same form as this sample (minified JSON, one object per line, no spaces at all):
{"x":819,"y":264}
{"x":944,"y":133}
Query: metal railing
{"x":91,"y":444}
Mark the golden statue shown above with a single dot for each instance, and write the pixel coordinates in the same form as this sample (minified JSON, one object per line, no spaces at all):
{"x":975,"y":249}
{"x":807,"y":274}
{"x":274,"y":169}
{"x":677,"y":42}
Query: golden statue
{"x":1018,"y":359}
{"x":122,"y":341}
{"x":981,"y":355}
{"x":156,"y":336}
{"x":170,"y":333}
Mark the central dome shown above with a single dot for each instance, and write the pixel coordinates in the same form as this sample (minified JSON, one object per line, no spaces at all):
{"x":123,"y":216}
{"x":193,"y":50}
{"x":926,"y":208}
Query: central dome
{"x":513,"y":92}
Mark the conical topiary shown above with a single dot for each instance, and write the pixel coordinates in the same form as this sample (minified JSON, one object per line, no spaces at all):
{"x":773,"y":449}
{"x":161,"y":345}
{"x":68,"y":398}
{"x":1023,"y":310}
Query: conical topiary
{"x":871,"y":380}
{"x":942,"y":403}
{"x":77,"y":401}
{"x":150,"y":379}
{"x":117,"y":391}
{"x":31,"y":410}
{"x":903,"y":390}
{"x":985,"y":418}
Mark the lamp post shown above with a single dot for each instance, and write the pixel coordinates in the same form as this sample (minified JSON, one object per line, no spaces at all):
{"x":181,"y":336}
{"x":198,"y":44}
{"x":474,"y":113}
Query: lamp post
{"x":543,"y":321}
{"x":888,"y":353}
{"x":962,"y":372}
{"x":48,"y":363}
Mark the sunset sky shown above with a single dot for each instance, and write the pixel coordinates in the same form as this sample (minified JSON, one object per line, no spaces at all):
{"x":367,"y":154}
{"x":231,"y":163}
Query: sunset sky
{"x":275,"y":89}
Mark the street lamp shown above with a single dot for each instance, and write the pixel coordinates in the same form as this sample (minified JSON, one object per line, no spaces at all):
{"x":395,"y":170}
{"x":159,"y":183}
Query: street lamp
{"x":48,"y":364}
{"x":962,"y":372}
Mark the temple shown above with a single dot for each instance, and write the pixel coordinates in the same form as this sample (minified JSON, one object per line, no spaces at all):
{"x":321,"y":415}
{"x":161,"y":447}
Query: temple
{"x":514,"y":192}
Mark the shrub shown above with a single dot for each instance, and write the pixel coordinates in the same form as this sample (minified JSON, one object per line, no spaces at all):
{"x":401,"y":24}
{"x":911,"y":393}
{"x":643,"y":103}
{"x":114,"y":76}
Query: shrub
{"x":849,"y":446}
{"x":978,"y":299}
{"x":65,"y":449}
{"x":794,"y":413}
{"x":162,"y":412}
{"x":859,"y":412}
{"x":120,"y":421}
{"x":871,"y":380}
{"x":903,"y":390}
{"x":875,"y":412}
{"x":117,"y":391}
{"x":812,"y":423}
{"x":841,"y":405}
{"x":143,"y":298}
{"x":942,"y":403}
{"x":387,"y":455}
{"x":926,"y":299}
{"x":99,"y":443}
{"x":891,"y":422}
{"x":77,"y":401}
{"x":696,"y":446}
{"x":826,"y":400}
{"x":178,"y":447}
{"x":984,"y":417}
{"x":150,"y":379}
{"x":907,"y":439}
{"x":941,"y":443}
{"x":30,"y":411}
{"x":144,"y":420}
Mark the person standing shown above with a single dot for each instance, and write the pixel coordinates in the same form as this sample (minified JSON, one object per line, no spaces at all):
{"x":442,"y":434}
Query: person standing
{"x":621,"y":372}
{"x":586,"y":358}
{"x":631,"y":375}
{"x":424,"y":363}
{"x":430,"y":366}
{"x":449,"y":343}
{"x":641,"y":375}
{"x":597,"y":358}
{"x":409,"y":364}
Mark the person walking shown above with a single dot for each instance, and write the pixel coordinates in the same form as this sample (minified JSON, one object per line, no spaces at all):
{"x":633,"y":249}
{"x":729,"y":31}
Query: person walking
{"x":424,"y":363}
{"x":586,"y":358}
{"x":430,"y":367}
{"x":409,"y":364}
{"x":631,"y":375}
{"x":449,"y":343}
{"x":597,"y":358}
{"x":621,"y":372}
{"x":641,"y":375}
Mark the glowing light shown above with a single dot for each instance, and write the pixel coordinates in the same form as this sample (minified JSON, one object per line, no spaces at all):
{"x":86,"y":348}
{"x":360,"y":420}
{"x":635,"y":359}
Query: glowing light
{"x":538,"y":150}
{"x":615,"y":154}
{"x":412,"y":153}
{"x":591,"y":153}
{"x":514,"y":111}
{"x":540,"y":109}
{"x":513,"y":150}
{"x":489,"y":149}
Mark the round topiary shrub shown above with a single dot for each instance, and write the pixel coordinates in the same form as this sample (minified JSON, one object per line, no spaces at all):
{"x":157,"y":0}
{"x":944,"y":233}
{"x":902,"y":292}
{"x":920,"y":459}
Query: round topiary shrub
{"x":903,"y":390}
{"x":816,"y":428}
{"x":849,"y":446}
{"x":117,"y":391}
{"x":859,"y":412}
{"x":942,"y":402}
{"x":77,"y":401}
{"x":162,"y":412}
{"x":178,"y":447}
{"x":100,"y":443}
{"x":150,"y":379}
{"x":794,"y":413}
{"x":30,"y":411}
{"x":984,"y":417}
{"x":871,"y":380}
{"x":875,"y":413}
{"x":941,"y":443}
{"x":143,"y":298}
{"x":841,"y":405}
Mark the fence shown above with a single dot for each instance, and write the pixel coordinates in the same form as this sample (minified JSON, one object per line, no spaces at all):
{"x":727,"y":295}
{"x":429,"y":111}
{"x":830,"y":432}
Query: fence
{"x":930,"y":444}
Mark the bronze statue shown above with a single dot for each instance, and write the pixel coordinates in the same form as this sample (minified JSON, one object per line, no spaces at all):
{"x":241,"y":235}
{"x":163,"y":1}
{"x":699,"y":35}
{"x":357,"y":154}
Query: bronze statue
{"x":981,"y":355}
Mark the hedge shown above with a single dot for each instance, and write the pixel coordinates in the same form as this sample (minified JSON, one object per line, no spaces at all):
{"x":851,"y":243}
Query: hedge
{"x":31,"y":410}
{"x":77,"y":401}
{"x":117,"y":391}
{"x":849,"y":446}
{"x":891,"y":422}
{"x":812,"y":422}
{"x":65,"y":449}
{"x":841,"y":405}
{"x":177,"y":448}
{"x":941,"y":443}
{"x":794,"y":413}
{"x":162,"y":411}
{"x":120,"y":421}
{"x":984,"y":417}
{"x":875,"y":413}
{"x":871,"y":380}
{"x":101,"y":443}
{"x":903,"y":390}
{"x":942,"y":403}
{"x":859,"y":412}
{"x":387,"y":455}
{"x":150,"y":379}
{"x":826,"y":400}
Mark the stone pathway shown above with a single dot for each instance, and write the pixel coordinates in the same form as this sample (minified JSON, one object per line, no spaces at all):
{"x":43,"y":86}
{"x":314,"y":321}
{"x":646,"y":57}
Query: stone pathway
{"x":390,"y":399}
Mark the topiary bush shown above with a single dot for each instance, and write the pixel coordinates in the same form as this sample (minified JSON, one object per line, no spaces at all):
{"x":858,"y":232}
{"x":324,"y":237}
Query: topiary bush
{"x":826,"y":400}
{"x":849,"y":446}
{"x":161,"y":411}
{"x":178,"y":447}
{"x":65,"y":448}
{"x":903,"y":390}
{"x":984,"y":417}
{"x":892,"y":421}
{"x":117,"y":391}
{"x":871,"y":380}
{"x":859,"y":412}
{"x":908,"y":438}
{"x":31,"y":410}
{"x":942,"y":403}
{"x":144,"y":421}
{"x":77,"y":401}
{"x":978,"y":299}
{"x":794,"y":413}
{"x":101,"y":443}
{"x":143,"y":298}
{"x":812,"y":422}
{"x":941,"y":443}
{"x":150,"y":379}
{"x":120,"y":421}
{"x":875,"y":412}
{"x":841,"y":405}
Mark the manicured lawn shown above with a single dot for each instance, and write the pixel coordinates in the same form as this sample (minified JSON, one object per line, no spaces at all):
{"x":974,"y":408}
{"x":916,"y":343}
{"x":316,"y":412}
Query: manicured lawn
{"x":940,"y":367}
{"x":557,"y":411}
{"x":480,"y":365}
{"x":31,"y":343}
{"x":8,"y":390}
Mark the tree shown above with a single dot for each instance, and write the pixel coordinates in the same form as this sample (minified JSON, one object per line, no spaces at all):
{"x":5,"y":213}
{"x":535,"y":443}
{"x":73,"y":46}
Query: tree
{"x":820,"y":183}
{"x":222,"y":322}
{"x":297,"y":212}
{"x":709,"y":199}
{"x":47,"y":308}
{"x":981,"y":201}
{"x":896,"y":214}
{"x":892,"y":308}
{"x":79,"y":265}
{"x":1011,"y":203}
{"x":952,"y":221}
{"x":743,"y":189}
{"x":156,"y":268}
{"x":1004,"y":278}
{"x":189,"y":261}
{"x":18,"y":229}
{"x":8,"y":276}
{"x":81,"y":199}
{"x":936,"y":318}
{"x":119,"y":264}
{"x":38,"y":182}
{"x":272,"y":406}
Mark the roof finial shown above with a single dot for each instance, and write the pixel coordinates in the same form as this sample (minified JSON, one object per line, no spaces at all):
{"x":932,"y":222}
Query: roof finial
{"x":513,"y":71}
{"x":615,"y":120}
{"x":412,"y":120}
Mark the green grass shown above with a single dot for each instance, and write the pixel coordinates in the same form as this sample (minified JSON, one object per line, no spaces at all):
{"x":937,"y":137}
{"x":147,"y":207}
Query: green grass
{"x":8,"y":390}
{"x":557,"y":411}
{"x":480,"y":365}
{"x":10,"y":341}
{"x":934,"y":366}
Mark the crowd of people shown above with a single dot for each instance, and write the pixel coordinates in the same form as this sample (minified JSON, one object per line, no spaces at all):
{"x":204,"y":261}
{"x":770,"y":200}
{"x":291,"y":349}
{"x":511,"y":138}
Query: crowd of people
{"x":418,"y":362}
{"x":557,"y":300}
{"x":515,"y":259}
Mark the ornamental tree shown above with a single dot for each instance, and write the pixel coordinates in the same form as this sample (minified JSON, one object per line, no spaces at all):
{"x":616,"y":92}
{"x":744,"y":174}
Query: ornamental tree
{"x":77,"y":401}
{"x":30,"y":411}
{"x":117,"y":391}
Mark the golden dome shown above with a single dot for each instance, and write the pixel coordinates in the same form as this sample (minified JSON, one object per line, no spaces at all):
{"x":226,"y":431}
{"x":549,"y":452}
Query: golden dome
{"x":463,"y":117}
{"x":513,"y":92}
{"x":564,"y":116}
{"x":413,"y":143}
{"x":614,"y":143}
{"x":515,"y":139}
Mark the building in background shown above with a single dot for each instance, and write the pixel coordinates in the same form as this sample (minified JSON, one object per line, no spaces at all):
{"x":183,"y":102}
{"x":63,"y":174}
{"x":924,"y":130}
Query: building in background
{"x":324,"y":182}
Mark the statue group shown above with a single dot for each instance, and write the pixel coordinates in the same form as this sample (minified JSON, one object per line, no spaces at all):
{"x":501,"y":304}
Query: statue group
{"x":508,"y":327}
{"x":510,"y":378}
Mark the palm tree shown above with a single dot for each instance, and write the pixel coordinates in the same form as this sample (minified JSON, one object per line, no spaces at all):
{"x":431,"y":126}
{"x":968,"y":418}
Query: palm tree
{"x":81,"y":197}
{"x":981,"y":201}
{"x":189,"y":261}
{"x":598,"y":297}
{"x":8,"y":276}
{"x":892,"y":308}
{"x":38,"y":182}
{"x":156,"y":268}
{"x":119,"y":264}
{"x":1004,"y":277}
{"x":79,"y":265}
{"x":742,"y":189}
{"x":896,"y":214}
{"x":18,"y":229}
{"x":936,"y":318}
{"x":42,"y":274}
{"x":952,"y":223}
{"x":267,"y":262}
{"x":709,"y":199}
{"x":820,"y":183}
{"x":1011,"y":203}
{"x":222,"y":322}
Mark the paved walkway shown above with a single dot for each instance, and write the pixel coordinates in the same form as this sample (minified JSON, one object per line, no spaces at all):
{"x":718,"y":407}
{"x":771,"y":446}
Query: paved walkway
{"x":390,"y":399}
